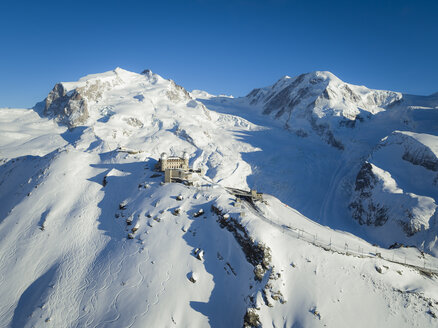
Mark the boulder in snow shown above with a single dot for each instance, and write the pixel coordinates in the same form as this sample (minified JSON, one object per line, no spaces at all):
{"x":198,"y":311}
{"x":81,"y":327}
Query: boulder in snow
{"x":192,"y":276}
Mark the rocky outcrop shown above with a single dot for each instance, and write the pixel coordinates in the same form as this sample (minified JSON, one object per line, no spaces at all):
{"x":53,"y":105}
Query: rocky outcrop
{"x":377,"y":200}
{"x":69,"y":103}
{"x":258,"y":254}
{"x":417,"y":149}
{"x":177,"y":93}
{"x":422,"y":158}
{"x":417,"y":152}
{"x":324,"y":131}
{"x":365,"y":209}
{"x":69,"y":108}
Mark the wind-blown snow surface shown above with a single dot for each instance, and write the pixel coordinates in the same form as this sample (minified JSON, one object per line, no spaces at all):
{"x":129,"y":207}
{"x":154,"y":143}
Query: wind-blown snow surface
{"x":67,"y":196}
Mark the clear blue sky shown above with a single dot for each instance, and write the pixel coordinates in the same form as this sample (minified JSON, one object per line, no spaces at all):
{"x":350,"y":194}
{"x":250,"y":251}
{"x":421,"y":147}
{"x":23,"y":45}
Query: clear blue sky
{"x":219,"y":46}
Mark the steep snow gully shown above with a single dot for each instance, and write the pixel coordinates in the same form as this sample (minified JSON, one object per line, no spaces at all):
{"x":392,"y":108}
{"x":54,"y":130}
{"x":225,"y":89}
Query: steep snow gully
{"x":91,"y":236}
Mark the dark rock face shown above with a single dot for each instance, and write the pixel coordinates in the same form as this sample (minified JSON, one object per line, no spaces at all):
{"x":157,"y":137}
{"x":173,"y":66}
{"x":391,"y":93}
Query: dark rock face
{"x":258,"y":254}
{"x":364,"y":209}
{"x":369,"y":209}
{"x":251,"y":319}
{"x":68,"y":108}
{"x":349,"y":94}
{"x":177,"y":93}
{"x":414,"y":151}
{"x":423,"y":158}
{"x":365,"y":179}
{"x":284,"y":101}
{"x":323,"y":130}
{"x":255,"y":95}
{"x":57,"y":92}
{"x":72,"y":107}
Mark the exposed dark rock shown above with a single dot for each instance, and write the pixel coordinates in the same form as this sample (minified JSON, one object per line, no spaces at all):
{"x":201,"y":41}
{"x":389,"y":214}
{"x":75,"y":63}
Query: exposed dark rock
{"x":193,"y":277}
{"x":349,"y":94}
{"x":348,"y":123}
{"x":123,"y":205}
{"x":301,"y":133}
{"x":423,"y":158}
{"x":396,"y":245}
{"x":251,"y":319}
{"x":177,"y":93}
{"x":364,"y":210}
{"x":258,"y":254}
{"x":135,"y":122}
{"x":199,"y":213}
{"x":68,"y":108}
{"x":323,"y":130}
{"x":283,"y":102}
{"x":365,"y":178}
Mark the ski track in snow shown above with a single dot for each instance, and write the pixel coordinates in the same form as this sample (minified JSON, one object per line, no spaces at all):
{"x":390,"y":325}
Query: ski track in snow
{"x":157,"y":298}
{"x":111,"y":282}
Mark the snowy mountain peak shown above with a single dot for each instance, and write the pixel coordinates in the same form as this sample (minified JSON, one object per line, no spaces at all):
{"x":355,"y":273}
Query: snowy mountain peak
{"x":319,"y":89}
{"x":70,"y":103}
{"x":147,"y":72}
{"x":319,"y":102}
{"x":312,"y":78}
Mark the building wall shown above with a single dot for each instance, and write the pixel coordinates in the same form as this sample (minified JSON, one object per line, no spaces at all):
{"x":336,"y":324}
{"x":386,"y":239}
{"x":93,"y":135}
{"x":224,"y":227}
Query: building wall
{"x":174,"y":163}
{"x":167,"y":175}
{"x":171,"y":173}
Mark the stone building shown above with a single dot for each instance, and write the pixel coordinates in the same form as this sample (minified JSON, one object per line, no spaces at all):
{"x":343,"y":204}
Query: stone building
{"x":176,"y":169}
{"x":170,"y":175}
{"x":173,"y":163}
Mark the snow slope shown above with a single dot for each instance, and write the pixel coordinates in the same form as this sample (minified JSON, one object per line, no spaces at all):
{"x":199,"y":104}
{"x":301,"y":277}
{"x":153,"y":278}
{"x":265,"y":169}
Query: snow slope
{"x":90,"y":237}
{"x":325,"y":131}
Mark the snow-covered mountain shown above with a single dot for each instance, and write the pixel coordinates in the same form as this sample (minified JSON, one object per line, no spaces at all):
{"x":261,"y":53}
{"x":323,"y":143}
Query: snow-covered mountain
{"x":399,"y":183}
{"x":90,"y":236}
{"x":68,"y":102}
{"x":320,"y":102}
{"x":321,"y":94}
